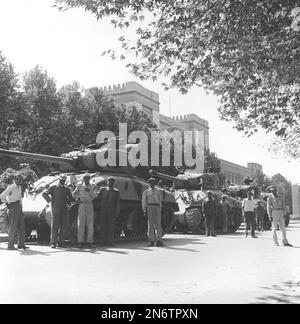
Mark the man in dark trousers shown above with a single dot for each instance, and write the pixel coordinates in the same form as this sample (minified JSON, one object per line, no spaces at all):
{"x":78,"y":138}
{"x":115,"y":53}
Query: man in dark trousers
{"x":249,"y":208}
{"x":260,"y":212}
{"x":12,"y":197}
{"x":60,"y":197}
{"x":209,"y":210}
{"x":110,"y":211}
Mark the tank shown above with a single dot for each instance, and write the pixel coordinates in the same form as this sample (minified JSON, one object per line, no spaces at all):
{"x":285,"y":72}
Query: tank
{"x":131,"y":225}
{"x":190,"y":192}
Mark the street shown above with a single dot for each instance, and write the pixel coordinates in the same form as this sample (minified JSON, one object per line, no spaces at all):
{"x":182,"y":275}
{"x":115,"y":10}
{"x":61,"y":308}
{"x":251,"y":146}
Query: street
{"x":190,"y":269}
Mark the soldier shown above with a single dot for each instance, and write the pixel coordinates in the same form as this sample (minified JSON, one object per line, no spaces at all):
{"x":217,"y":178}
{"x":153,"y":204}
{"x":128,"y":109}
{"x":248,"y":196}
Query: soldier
{"x":84,"y":194}
{"x":209,"y":211}
{"x":225,"y":209}
{"x":152,"y":206}
{"x":276,"y":210}
{"x":260,"y":212}
{"x":248,"y":207}
{"x":59,"y":196}
{"x":12,"y":197}
{"x":110,"y":211}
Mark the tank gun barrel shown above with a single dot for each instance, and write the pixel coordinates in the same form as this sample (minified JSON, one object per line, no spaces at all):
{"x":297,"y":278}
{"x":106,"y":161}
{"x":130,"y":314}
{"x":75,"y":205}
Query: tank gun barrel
{"x":163,"y":176}
{"x":179,"y":183}
{"x":67,"y":162}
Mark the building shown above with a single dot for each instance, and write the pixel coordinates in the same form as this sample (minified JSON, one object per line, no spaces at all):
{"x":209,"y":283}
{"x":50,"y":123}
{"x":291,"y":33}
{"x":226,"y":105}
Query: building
{"x":133,"y":94}
{"x":188,"y":122}
{"x":235,"y":173}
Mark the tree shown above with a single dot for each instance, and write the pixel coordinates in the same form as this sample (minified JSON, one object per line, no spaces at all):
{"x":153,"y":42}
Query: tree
{"x":42,"y":105}
{"x":11,"y":114}
{"x":212,"y":162}
{"x":246,"y":52}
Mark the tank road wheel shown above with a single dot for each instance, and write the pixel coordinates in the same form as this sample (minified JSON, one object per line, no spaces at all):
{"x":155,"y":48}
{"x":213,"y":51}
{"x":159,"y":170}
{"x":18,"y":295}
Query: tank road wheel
{"x":43,"y":233}
{"x":236,"y":220}
{"x":134,"y":226}
{"x":194,"y":221}
{"x":28,"y":231}
{"x":167,"y":221}
{"x":267,"y":222}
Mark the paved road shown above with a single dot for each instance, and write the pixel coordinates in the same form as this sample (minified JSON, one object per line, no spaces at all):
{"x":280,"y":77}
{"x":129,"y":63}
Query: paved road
{"x":191,"y":269}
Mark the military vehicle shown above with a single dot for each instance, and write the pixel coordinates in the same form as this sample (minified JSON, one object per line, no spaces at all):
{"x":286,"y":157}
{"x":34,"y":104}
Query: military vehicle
{"x":190,"y":193}
{"x":131,"y":225}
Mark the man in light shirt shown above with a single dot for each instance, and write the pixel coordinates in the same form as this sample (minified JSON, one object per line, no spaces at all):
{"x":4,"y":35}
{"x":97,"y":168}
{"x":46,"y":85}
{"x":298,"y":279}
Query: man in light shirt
{"x":84,"y":194}
{"x":12,"y":197}
{"x":249,"y":206}
{"x":276,"y":209}
{"x":152,"y":206}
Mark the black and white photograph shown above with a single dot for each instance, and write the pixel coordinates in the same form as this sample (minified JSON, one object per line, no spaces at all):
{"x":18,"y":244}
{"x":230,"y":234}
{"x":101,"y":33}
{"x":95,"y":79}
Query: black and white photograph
{"x":149,"y":155}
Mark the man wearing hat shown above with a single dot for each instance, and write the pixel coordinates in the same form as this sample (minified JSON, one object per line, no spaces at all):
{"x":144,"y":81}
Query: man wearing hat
{"x":152,"y":207}
{"x":209,"y":210}
{"x":59,"y":196}
{"x":12,"y":197}
{"x":110,"y":211}
{"x":276,"y":209}
{"x":84,"y":194}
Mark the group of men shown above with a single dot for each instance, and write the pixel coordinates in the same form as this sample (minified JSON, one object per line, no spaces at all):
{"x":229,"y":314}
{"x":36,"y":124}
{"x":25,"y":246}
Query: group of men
{"x":275,"y":208}
{"x":276,"y":211}
{"x":61,"y":196}
{"x":211,"y":209}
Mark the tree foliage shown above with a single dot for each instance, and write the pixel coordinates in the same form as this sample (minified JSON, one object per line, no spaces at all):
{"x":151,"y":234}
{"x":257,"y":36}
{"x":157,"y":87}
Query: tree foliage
{"x":284,"y":187}
{"x":246,"y":52}
{"x":37,"y":117}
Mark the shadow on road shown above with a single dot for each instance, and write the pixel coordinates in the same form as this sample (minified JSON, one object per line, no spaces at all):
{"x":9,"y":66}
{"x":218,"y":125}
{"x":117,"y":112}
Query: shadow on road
{"x":286,"y":293}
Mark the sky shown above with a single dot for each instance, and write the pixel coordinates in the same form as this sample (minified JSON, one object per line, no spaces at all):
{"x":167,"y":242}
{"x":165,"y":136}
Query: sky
{"x":69,"y":46}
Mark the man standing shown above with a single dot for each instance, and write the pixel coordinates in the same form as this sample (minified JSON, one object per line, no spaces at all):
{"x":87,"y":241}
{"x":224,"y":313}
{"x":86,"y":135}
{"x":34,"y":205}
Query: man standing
{"x":225,"y":209}
{"x":84,"y":194}
{"x":260,"y":212}
{"x":59,"y":196}
{"x":248,"y":206}
{"x":110,"y":211}
{"x":276,"y":209}
{"x":12,"y":197}
{"x":152,"y":207}
{"x":209,"y":210}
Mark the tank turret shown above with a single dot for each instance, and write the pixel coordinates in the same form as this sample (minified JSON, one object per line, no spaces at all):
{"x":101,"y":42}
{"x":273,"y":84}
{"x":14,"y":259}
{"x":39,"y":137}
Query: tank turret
{"x":208,"y":181}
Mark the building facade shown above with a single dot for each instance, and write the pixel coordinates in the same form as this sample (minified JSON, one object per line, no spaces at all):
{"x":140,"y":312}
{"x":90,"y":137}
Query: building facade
{"x":235,"y":173}
{"x":133,"y":94}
